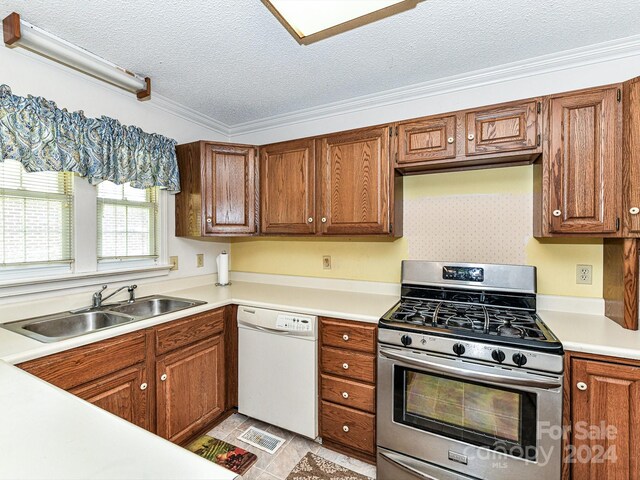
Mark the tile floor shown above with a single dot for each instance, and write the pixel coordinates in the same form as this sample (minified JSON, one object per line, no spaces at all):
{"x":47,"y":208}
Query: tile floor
{"x":277,"y":466}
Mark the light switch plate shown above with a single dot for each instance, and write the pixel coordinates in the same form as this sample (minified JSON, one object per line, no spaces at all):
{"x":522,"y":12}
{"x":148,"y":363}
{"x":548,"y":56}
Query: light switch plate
{"x":200,"y":260}
{"x":326,"y":262}
{"x":173,"y":261}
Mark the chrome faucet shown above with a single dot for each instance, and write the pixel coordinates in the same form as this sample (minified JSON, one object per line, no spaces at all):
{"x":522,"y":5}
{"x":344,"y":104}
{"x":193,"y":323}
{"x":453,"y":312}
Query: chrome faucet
{"x":97,"y":297}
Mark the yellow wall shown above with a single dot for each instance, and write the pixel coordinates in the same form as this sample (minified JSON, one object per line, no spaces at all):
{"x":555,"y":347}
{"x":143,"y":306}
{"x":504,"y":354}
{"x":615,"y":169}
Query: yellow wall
{"x":377,"y":260}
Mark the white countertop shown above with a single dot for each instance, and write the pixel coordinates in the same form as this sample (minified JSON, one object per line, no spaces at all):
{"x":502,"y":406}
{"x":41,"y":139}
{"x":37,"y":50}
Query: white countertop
{"x":48,"y":433}
{"x":596,"y":334}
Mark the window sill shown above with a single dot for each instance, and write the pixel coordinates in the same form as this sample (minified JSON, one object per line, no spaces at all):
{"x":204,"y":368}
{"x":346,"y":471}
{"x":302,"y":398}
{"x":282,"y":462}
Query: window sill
{"x":51,"y":283}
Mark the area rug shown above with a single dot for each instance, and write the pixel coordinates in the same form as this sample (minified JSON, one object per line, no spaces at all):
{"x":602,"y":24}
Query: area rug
{"x":224,"y":454}
{"x":313,"y":467}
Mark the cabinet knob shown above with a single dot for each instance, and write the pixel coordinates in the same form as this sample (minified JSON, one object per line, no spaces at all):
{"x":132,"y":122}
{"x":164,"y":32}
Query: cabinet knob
{"x":345,"y":395}
{"x":634,"y":210}
{"x":471,"y":136}
{"x":163,"y":377}
{"x":209,"y":220}
{"x":143,"y":386}
{"x":310,"y":219}
{"x":581,"y":386}
{"x":345,"y":366}
{"x":345,"y":428}
{"x":557,"y":213}
{"x":345,"y":337}
{"x":450,"y":140}
{"x":323,"y":219}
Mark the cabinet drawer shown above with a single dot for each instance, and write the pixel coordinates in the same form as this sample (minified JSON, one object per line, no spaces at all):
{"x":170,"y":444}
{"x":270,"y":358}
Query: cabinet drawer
{"x":349,"y":427}
{"x":349,"y":393}
{"x":84,"y":364}
{"x":351,"y":335}
{"x":184,"y":332}
{"x":344,"y":363}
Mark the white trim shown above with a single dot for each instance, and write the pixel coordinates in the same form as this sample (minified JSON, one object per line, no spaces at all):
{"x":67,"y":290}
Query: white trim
{"x":75,"y":280}
{"x":568,"y":59}
{"x":356,"y":286}
{"x":584,"y":305}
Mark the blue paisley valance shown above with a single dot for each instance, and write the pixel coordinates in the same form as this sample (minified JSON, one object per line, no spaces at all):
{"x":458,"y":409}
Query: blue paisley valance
{"x":36,"y":133}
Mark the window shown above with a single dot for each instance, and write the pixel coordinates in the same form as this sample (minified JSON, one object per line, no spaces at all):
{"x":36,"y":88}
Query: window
{"x":36,"y":211}
{"x":127,"y":219}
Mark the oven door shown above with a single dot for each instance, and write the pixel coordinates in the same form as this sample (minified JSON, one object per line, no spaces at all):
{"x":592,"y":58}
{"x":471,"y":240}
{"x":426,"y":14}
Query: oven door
{"x":481,"y":420}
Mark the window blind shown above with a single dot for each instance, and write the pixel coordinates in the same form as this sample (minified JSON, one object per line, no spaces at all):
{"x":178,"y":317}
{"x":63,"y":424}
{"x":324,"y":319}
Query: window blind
{"x":35,"y":216}
{"x":127,"y":219}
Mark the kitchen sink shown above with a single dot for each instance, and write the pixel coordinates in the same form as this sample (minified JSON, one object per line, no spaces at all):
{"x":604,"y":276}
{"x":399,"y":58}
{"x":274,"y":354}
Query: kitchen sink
{"x":154,"y":306}
{"x":60,"y":326}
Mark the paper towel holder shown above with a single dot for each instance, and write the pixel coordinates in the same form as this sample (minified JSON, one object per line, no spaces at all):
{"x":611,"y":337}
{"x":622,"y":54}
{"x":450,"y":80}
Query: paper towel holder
{"x":224,"y":252}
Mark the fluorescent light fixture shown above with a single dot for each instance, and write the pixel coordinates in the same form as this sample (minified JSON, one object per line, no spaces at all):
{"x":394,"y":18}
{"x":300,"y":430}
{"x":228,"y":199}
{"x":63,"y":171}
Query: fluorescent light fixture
{"x":312,"y":20}
{"x":18,"y":33}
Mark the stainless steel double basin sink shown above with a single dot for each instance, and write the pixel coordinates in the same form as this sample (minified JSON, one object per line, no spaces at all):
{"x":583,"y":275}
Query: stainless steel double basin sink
{"x":60,"y":326}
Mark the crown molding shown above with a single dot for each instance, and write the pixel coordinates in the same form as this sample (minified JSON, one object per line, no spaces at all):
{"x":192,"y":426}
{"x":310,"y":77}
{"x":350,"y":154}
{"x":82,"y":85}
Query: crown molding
{"x":568,"y":59}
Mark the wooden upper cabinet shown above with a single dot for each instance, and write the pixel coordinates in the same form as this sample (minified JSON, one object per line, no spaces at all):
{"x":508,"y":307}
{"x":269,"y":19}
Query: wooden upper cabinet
{"x":218,"y":190}
{"x":230,"y":189}
{"x":354,"y":182}
{"x":605,"y":396}
{"x":506,"y":128}
{"x":427,"y":140}
{"x":584,"y":162}
{"x":287,"y":187}
{"x":631,"y":157}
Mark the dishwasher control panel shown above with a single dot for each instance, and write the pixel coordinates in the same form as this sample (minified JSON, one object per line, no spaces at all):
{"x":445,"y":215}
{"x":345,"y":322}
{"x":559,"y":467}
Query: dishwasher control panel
{"x":296,"y":323}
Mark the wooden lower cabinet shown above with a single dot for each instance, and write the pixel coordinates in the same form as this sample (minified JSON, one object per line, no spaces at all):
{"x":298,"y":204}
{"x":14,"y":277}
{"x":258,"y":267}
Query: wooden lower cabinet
{"x":603,"y":404}
{"x":118,"y":376}
{"x":124,"y":393}
{"x":190,"y":391}
{"x":347,"y":387}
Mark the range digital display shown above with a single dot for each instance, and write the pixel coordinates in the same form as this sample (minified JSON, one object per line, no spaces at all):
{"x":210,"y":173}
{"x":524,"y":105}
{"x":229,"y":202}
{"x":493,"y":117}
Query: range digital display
{"x":463,"y":274}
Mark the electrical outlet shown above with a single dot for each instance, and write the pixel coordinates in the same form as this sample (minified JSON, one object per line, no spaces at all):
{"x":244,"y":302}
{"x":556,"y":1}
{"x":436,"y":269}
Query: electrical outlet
{"x":173,"y":261}
{"x":584,"y":274}
{"x":326,"y":262}
{"x":200,"y":260}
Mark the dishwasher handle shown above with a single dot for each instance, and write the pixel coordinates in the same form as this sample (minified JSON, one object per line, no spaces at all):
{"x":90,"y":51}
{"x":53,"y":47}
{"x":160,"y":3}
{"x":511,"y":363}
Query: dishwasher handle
{"x":274,"y":331}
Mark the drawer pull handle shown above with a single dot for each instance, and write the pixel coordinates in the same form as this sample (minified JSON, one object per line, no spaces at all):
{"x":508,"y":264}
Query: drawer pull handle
{"x":163,"y":377}
{"x":450,"y":140}
{"x":581,"y":386}
{"x":209,"y":220}
{"x":345,"y":428}
{"x":634,"y":210}
{"x":345,"y":395}
{"x":323,"y":219}
{"x":557,"y":213}
{"x":471,"y":136}
{"x":345,"y":337}
{"x":310,"y":219}
{"x":345,"y":366}
{"x":143,"y":386}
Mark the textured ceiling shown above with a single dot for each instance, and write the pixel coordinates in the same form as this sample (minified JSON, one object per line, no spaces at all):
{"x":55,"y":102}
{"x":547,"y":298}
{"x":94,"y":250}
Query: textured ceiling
{"x":233,"y":61}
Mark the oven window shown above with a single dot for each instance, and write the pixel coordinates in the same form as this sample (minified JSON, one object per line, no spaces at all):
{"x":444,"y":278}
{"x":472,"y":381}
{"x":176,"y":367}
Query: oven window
{"x":493,"y":417}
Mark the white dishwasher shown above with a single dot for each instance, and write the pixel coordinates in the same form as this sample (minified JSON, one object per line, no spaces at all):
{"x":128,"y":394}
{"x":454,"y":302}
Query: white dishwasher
{"x":277,"y":368}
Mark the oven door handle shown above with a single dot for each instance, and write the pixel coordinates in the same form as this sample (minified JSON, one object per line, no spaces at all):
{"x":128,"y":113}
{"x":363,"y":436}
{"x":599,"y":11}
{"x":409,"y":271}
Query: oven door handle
{"x":471,"y":375}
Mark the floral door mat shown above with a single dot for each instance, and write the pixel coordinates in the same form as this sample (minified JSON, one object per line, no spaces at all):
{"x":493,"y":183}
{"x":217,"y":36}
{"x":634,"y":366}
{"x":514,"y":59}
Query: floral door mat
{"x":224,"y":454}
{"x":313,"y":467}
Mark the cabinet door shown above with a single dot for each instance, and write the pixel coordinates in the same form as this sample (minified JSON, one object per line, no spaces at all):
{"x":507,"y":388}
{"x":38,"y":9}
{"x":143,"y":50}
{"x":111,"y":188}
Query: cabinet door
{"x":355,"y":188}
{"x":585,"y":161}
{"x":506,"y":128}
{"x":631,"y":153}
{"x":287,"y":187}
{"x":605,"y":420}
{"x":427,"y":140}
{"x":190,"y":389}
{"x":229,"y":189}
{"x":122,"y":393}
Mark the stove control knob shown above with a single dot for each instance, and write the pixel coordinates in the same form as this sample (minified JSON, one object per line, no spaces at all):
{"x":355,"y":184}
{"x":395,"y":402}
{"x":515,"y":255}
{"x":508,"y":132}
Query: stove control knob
{"x":406,"y":340}
{"x":458,"y":349}
{"x":519,"y":359}
{"x":498,"y":356}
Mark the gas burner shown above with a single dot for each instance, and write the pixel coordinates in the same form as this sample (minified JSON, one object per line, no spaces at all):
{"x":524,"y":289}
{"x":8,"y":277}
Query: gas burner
{"x":508,"y":330}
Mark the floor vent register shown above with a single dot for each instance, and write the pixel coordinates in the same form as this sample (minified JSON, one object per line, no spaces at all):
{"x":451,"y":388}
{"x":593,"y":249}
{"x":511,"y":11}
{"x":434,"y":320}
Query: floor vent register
{"x":261,"y":439}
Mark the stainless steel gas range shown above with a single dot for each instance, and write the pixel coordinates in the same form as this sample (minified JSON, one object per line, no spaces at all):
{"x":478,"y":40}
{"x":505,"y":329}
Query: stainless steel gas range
{"x":469,"y":377}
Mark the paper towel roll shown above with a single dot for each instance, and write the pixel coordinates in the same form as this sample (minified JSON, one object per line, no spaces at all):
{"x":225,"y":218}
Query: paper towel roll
{"x":222,"y":261}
